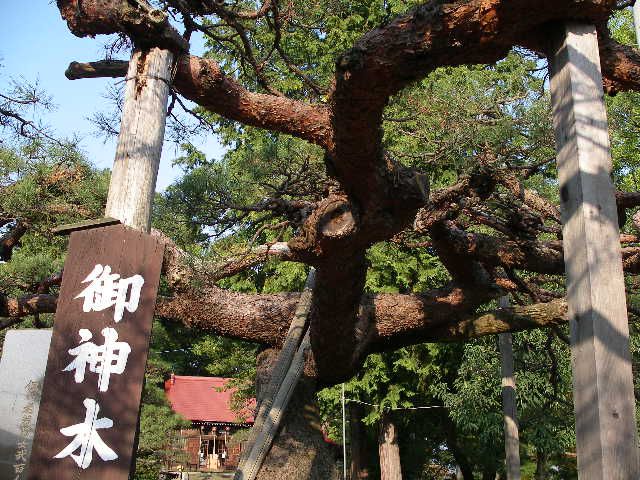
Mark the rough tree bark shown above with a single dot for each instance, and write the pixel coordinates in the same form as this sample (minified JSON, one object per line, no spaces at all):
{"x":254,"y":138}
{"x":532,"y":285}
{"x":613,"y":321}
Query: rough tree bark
{"x":299,"y":450}
{"x":10,"y":240}
{"x":381,"y":198}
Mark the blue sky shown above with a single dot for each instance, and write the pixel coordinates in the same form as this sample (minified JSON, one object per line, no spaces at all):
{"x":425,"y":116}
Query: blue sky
{"x":35,"y":44}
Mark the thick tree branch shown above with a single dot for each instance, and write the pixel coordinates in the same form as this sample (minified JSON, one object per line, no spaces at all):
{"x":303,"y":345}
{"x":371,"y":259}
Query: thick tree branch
{"x":11,"y":239}
{"x":627,"y":199}
{"x":390,"y":57}
{"x":207,"y":7}
{"x":460,"y":327}
{"x":384,"y":321}
{"x":18,"y":308}
{"x":391,"y":319}
{"x":182,"y":271}
{"x":529,"y":255}
{"x":620,"y":64}
{"x":258,"y":318}
{"x":380,"y":64}
{"x":203,"y":82}
{"x":148,"y":27}
{"x":529,"y":197}
{"x":496,"y":251}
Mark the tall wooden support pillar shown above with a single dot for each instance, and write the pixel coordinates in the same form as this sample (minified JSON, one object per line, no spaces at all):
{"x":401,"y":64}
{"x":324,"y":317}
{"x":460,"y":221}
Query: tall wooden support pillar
{"x":136,"y":259}
{"x":135,"y":168}
{"x":511,"y":436}
{"x":602,"y":379}
{"x":636,"y":20}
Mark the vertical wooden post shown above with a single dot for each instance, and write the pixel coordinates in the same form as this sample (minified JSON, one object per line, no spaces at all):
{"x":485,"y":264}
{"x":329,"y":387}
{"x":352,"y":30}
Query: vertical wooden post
{"x":602,"y":379}
{"x":135,"y":168}
{"x":511,"y":437}
{"x":636,"y":20}
{"x":118,"y":399}
{"x":388,"y":449}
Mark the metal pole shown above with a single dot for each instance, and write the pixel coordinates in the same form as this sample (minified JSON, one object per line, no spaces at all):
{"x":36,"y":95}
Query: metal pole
{"x":344,"y":438}
{"x":511,"y":438}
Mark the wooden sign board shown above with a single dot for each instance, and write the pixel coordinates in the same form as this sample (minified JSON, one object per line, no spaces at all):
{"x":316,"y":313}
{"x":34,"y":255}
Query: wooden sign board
{"x":91,"y":395}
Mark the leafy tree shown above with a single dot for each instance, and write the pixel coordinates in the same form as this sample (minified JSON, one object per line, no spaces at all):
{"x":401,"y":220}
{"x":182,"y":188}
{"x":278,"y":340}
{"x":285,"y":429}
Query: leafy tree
{"x":358,"y":131}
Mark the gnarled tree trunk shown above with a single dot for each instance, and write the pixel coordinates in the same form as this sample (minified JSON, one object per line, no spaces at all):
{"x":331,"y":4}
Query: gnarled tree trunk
{"x":358,"y":469}
{"x":465,"y":469}
{"x":388,"y":449}
{"x":299,"y":451}
{"x":541,"y":465}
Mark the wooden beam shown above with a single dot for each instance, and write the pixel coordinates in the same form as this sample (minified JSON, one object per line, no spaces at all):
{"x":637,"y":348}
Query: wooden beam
{"x":99,"y":69}
{"x":511,"y":436}
{"x":251,"y":465}
{"x":137,"y":258}
{"x":135,"y":168}
{"x":602,"y":379}
{"x":284,"y":378}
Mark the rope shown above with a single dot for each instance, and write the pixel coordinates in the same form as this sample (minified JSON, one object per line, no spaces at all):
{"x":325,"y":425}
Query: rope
{"x":172,"y":74}
{"x":152,"y":77}
{"x":426,"y":407}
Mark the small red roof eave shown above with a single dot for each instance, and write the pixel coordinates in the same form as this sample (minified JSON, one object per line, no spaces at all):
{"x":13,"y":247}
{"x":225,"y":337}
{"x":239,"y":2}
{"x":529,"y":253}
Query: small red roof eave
{"x":204,"y":399}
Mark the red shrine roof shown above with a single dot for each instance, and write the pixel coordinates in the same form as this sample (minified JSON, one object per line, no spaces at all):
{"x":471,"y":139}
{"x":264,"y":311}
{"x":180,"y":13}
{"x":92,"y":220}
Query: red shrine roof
{"x":204,"y":399}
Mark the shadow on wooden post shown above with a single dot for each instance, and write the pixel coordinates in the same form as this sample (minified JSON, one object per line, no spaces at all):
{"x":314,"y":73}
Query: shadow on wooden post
{"x":602,"y":378}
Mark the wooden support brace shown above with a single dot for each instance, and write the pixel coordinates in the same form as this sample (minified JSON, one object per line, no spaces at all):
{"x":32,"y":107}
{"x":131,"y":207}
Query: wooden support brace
{"x":284,"y":379}
{"x":511,"y":436}
{"x":602,"y":379}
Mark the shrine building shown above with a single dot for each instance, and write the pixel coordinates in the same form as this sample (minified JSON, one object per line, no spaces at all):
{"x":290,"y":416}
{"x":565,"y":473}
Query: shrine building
{"x":209,"y":443}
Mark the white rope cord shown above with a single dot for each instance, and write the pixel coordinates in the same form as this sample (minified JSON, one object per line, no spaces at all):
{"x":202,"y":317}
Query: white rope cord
{"x":396,"y":408}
